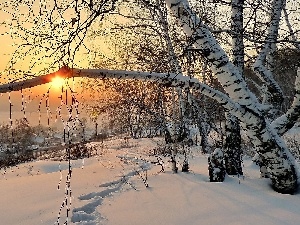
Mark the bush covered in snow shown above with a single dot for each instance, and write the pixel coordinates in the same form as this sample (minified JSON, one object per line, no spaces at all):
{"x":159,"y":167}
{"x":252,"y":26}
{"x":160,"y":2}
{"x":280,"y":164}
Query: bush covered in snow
{"x":216,"y":166}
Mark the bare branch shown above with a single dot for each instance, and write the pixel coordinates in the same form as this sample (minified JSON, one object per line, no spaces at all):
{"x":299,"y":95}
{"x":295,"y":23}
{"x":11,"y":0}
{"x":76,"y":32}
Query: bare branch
{"x":292,"y":33}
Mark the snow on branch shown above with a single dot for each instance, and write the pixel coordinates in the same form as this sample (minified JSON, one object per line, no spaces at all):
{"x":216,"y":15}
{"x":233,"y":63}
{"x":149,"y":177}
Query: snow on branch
{"x":288,"y":120}
{"x":228,"y":75}
{"x":29,"y":83}
{"x":166,"y":79}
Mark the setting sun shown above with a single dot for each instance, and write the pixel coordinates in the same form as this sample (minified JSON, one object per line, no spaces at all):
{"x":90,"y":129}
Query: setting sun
{"x":58,"y":82}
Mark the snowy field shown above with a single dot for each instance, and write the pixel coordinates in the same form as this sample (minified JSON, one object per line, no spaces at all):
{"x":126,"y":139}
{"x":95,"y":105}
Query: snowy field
{"x":110,"y":189}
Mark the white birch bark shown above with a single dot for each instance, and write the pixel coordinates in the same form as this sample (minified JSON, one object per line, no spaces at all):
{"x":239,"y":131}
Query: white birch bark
{"x":264,"y":64}
{"x":269,"y":145}
{"x":232,"y":151}
{"x":237,"y":34}
{"x":275,"y":15}
{"x":173,"y":60}
{"x":166,"y":79}
{"x":226,"y":72}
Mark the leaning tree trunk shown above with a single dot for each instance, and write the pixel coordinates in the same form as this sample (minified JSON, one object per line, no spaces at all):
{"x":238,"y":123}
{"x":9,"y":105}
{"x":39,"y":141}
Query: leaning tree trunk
{"x":264,"y":64}
{"x":270,"y":147}
{"x":264,"y":68}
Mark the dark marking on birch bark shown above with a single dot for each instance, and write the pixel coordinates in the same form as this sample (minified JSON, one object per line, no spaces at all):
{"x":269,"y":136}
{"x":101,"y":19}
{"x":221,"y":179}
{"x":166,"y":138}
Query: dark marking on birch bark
{"x":206,"y":52}
{"x":222,"y":64}
{"x":224,"y":103}
{"x":174,"y":4}
{"x":198,"y":37}
{"x":237,"y":89}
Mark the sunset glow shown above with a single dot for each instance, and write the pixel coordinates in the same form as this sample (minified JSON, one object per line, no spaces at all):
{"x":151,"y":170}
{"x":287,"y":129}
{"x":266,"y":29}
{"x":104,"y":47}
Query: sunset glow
{"x":58,"y":82}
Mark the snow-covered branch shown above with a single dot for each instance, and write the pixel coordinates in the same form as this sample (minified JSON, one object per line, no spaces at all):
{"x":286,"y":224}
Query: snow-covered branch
{"x":166,"y":79}
{"x":269,"y":145}
{"x":29,"y":83}
{"x":227,"y":73}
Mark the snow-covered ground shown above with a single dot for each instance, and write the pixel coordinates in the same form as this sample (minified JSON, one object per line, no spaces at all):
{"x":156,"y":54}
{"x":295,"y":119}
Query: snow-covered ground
{"x":109,"y":189}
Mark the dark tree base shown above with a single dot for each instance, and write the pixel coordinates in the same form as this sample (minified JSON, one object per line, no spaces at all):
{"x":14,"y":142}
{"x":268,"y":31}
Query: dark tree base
{"x":185,"y":167}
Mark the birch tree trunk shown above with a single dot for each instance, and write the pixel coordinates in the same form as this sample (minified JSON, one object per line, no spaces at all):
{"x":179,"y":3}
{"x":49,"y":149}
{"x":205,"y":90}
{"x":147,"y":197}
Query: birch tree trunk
{"x":269,"y":145}
{"x":173,"y":61}
{"x":264,"y":68}
{"x":264,"y":64}
{"x":161,"y":11}
{"x":233,"y":152}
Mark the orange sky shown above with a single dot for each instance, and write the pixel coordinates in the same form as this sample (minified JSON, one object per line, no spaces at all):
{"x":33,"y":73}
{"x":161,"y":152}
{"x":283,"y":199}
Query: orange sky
{"x":39,"y":105}
{"x":34,"y":98}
